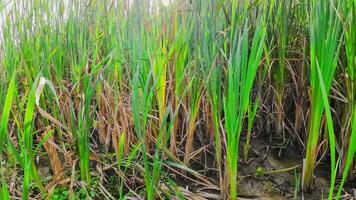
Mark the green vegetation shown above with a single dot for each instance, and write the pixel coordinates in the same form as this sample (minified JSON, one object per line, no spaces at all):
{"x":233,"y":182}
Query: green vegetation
{"x":349,"y":24}
{"x":324,"y":37}
{"x":138,"y":99}
{"x":241,"y":72}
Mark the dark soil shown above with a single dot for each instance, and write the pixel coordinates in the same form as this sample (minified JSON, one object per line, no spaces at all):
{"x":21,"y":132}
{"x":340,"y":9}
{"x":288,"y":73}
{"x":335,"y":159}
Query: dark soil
{"x":279,"y":177}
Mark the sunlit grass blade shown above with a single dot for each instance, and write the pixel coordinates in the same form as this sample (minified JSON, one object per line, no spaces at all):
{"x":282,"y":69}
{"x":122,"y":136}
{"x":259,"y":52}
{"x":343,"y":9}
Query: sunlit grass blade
{"x":6,"y":112}
{"x":331,"y":134}
{"x":4,"y":193}
{"x":27,"y":146}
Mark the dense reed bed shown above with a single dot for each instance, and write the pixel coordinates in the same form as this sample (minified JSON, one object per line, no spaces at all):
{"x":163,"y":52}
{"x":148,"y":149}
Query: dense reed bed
{"x":150,"y":99}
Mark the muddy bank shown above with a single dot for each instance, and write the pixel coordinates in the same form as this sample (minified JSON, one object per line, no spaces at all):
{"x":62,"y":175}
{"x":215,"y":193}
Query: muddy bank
{"x":274,"y":173}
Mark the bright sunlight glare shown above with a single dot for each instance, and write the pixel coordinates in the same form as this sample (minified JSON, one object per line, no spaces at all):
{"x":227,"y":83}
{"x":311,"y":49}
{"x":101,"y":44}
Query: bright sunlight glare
{"x":166,"y":2}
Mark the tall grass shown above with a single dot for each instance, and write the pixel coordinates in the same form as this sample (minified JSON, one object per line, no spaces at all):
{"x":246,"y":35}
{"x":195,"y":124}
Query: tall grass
{"x":4,"y":193}
{"x":167,"y":89}
{"x":141,"y":104}
{"x":324,"y":37}
{"x":180,"y":54}
{"x":242,"y":67}
{"x":282,"y":23}
{"x":26,"y":147}
{"x":349,"y":25}
{"x":80,"y":128}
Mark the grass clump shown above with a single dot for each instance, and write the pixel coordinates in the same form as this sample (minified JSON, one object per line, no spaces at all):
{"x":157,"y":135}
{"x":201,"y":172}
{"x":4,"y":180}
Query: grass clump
{"x":324,"y":49}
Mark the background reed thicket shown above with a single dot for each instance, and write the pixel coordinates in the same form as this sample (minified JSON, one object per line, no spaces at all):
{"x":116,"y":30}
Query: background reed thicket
{"x":145,"y":93}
